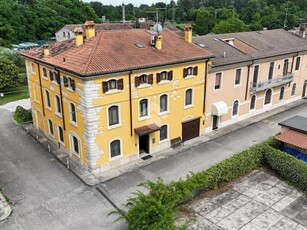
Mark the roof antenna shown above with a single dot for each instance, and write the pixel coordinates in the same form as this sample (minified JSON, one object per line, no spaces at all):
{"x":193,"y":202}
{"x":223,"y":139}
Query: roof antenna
{"x":286,"y":17}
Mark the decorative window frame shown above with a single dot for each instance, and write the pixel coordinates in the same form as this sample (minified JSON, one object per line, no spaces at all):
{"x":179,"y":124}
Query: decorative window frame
{"x":56,"y":105}
{"x":264,"y":96}
{"x":221,"y":81}
{"x":192,"y":99}
{"x":119,"y":117}
{"x":167,"y":105}
{"x":167,"y":134}
{"x":121,"y":149}
{"x":74,"y":123}
{"x":148,"y":109}
{"x":241,"y":72}
{"x":238,"y":110}
{"x":71,"y":146}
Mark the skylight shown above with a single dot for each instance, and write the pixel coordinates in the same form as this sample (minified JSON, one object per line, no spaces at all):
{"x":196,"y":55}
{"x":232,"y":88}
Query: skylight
{"x":201,"y":45}
{"x":139,"y":45}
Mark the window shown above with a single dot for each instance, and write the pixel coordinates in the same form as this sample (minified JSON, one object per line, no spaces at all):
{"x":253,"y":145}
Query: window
{"x":75,"y":145}
{"x":58,"y":104}
{"x":163,"y":132}
{"x":255,"y":77}
{"x":61,"y":134}
{"x":144,"y":108}
{"x":50,"y":124}
{"x":188,"y":97}
{"x":298,"y":63}
{"x":45,"y":73}
{"x":113,"y":115}
{"x":268,"y":95}
{"x":48,"y":104}
{"x":164,"y":76}
{"x":73,"y":117}
{"x":218,"y":79}
{"x":112,"y":85}
{"x":68,"y":34}
{"x":143,"y":79}
{"x":235,"y":108}
{"x":51,"y":75}
{"x":293,"y":89}
{"x":238,"y":77}
{"x":69,"y":83}
{"x":190,"y":71}
{"x":64,"y":34}
{"x":163,"y":103}
{"x":285,"y":69}
{"x":33,"y":68}
{"x":281,"y":94}
{"x":271,"y":69}
{"x":115,"y":148}
{"x":252,"y":103}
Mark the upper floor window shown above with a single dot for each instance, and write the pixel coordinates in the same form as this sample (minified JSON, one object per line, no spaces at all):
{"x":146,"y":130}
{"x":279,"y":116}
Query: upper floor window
{"x":64,"y":35}
{"x":281,"y":94}
{"x":144,"y":108}
{"x":73,"y":116}
{"x":293,"y":89}
{"x":163,"y":103}
{"x":33,"y":70}
{"x":256,"y":73}
{"x":69,"y":83}
{"x":252,"y":103}
{"x":268,"y":96}
{"x":298,"y":63}
{"x":238,"y":77}
{"x":45,"y":73}
{"x":115,"y":149}
{"x":271,"y":70}
{"x":218,"y":80}
{"x":48,"y":103}
{"x":164,"y":76}
{"x":143,"y":79}
{"x":235,"y":108}
{"x":113,"y":115}
{"x":190,"y":71}
{"x":163,"y":132}
{"x":58,"y":104}
{"x":286,"y":66}
{"x":50,"y":125}
{"x":112,"y":85}
{"x":188,"y":97}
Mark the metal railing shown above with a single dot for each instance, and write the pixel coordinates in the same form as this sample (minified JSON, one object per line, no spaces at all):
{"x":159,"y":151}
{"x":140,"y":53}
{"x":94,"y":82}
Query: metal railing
{"x":277,"y":81}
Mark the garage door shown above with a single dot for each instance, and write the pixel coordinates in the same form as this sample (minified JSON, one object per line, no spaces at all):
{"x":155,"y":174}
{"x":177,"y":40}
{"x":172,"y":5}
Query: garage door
{"x":190,"y":129}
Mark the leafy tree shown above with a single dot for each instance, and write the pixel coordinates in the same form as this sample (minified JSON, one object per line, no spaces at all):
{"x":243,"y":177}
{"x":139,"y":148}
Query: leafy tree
{"x":204,"y":22}
{"x":232,"y":25}
{"x":12,"y":55}
{"x":8,"y":73}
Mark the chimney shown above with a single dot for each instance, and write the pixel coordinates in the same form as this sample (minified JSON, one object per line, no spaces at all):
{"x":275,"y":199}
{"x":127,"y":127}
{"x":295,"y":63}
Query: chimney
{"x":302,"y":31}
{"x":46,"y":50}
{"x":158,"y":41}
{"x":151,"y":27}
{"x":79,"y":36}
{"x":188,"y":33}
{"x":89,"y":29}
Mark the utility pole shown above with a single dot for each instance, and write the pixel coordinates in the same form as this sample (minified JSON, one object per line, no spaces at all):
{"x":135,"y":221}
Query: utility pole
{"x":124,"y":13}
{"x":286,"y":17}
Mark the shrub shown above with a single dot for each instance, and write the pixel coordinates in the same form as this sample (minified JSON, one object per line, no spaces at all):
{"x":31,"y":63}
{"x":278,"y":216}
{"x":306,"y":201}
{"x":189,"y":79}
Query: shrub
{"x":22,"y":115}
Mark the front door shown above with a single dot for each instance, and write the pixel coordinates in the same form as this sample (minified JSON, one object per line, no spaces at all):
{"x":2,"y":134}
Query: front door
{"x":144,"y":144}
{"x":215,"y":122}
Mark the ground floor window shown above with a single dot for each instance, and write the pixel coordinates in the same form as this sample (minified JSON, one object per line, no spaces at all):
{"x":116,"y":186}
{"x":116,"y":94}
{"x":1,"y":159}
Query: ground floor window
{"x":50,"y":124}
{"x":61,"y":134}
{"x":268,"y":96}
{"x":115,"y":148}
{"x":163,"y":132}
{"x":75,"y":145}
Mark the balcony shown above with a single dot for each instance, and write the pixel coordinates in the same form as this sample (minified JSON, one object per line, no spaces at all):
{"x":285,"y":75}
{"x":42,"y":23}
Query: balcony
{"x":274,"y":82}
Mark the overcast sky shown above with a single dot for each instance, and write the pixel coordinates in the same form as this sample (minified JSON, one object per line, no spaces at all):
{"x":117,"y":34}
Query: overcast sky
{"x":134,"y":2}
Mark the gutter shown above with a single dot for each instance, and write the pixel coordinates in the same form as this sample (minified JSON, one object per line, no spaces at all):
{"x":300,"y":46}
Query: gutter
{"x":247,"y":82}
{"x":205,"y":86}
{"x":41,"y":88}
{"x":61,"y":97}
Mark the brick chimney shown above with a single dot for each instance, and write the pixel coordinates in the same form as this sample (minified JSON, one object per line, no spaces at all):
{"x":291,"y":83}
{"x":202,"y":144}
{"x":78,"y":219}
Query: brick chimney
{"x":89,"y":29}
{"x":46,"y":50}
{"x":188,"y":33}
{"x":79,"y":36}
{"x":158,"y":41}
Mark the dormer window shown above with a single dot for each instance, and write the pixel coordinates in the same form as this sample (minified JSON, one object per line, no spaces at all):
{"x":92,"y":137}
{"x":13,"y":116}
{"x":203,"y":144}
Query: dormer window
{"x":112,"y":85}
{"x":190,"y":71}
{"x":143,"y":80}
{"x":165,"y":76}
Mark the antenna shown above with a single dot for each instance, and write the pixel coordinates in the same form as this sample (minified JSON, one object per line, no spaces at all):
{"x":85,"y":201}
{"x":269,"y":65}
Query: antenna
{"x":286,"y":17}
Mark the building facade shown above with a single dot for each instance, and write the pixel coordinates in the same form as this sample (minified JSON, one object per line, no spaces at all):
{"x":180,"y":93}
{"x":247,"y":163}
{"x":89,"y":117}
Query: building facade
{"x":116,"y":95}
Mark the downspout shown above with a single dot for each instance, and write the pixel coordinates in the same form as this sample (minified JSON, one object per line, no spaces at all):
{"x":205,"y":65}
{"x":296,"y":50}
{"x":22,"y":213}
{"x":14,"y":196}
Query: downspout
{"x":205,"y":86}
{"x":130,"y":104}
{"x":41,"y":88}
{"x":247,"y":82}
{"x":61,"y":98}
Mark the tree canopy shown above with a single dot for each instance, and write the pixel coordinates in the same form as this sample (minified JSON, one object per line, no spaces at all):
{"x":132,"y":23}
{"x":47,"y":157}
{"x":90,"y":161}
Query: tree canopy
{"x":8,"y":73}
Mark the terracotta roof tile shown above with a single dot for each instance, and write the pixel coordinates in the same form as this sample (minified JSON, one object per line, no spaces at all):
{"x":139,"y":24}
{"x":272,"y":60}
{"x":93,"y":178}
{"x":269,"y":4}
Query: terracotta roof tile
{"x":294,"y":138}
{"x":113,"y":51}
{"x":146,"y":129}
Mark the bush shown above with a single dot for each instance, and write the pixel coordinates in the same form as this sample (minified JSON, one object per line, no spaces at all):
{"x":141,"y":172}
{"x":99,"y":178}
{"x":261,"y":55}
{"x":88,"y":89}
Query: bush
{"x":22,"y":115}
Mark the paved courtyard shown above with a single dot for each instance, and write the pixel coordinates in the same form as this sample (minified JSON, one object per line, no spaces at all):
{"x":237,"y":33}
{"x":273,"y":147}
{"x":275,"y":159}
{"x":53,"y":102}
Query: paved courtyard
{"x":258,"y":201}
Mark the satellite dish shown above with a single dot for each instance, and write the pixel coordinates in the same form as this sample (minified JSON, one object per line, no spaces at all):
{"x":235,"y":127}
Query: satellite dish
{"x":158,"y":28}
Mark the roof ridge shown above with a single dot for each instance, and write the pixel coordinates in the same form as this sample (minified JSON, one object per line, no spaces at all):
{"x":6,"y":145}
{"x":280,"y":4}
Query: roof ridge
{"x":92,"y":53}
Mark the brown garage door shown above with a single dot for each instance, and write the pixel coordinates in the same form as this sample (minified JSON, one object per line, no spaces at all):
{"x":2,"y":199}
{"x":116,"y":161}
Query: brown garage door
{"x":190,"y":129}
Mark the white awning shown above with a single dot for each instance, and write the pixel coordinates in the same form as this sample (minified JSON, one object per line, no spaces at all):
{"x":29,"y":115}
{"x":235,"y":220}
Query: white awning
{"x":220,"y":108}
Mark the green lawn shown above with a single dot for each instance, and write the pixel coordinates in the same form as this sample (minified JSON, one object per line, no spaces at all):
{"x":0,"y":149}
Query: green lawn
{"x":14,"y":94}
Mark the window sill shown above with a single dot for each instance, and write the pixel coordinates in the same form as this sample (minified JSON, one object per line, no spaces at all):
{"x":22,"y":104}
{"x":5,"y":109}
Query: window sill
{"x":37,"y":101}
{"x":49,"y":108}
{"x":188,"y":106}
{"x":113,"y":91}
{"x":75,"y":154}
{"x":237,"y":85}
{"x":45,"y":78}
{"x":217,"y":90}
{"x":235,"y":116}
{"x":163,"y":141}
{"x":58,"y":114}
{"x":164,"y":113}
{"x":73,"y":123}
{"x":54,"y":82}
{"x":144,"y":85}
{"x":163,"y":82}
{"x":70,"y":89}
{"x":114,"y":126}
{"x":116,"y":157}
{"x":190,"y":76}
{"x":144,"y":118}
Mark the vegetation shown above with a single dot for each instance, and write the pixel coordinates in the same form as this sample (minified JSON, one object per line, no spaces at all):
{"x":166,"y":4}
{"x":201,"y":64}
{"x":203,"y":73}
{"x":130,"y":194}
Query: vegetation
{"x":157,"y":208}
{"x":22,"y":115}
{"x":14,"y":94}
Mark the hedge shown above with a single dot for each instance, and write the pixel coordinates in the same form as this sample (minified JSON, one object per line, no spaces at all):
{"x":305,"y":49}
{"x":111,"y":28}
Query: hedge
{"x":22,"y":115}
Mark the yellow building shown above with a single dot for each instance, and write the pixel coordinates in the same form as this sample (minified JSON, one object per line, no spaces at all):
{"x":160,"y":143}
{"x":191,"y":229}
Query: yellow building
{"x":115,"y":95}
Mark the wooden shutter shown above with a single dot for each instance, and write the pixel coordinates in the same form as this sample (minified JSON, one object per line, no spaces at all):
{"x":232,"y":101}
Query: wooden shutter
{"x":65,"y":81}
{"x":158,"y":77}
{"x":72,"y":84}
{"x":58,"y":79}
{"x":195,"y":70}
{"x":105,"y":86}
{"x":51,"y":75}
{"x":170,"y":75}
{"x":150,"y":79}
{"x":185,"y":72}
{"x":120,"y":84}
{"x":137,"y":81}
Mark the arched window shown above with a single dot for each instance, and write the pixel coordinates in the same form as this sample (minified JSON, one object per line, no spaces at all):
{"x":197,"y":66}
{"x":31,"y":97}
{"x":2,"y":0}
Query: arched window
{"x":281,"y":94}
{"x":188,"y":97}
{"x":163,"y":103}
{"x":144,"y":108}
{"x":113,"y":115}
{"x":163,"y":132}
{"x":293,"y":89}
{"x":115,"y":148}
{"x":268,"y":96}
{"x":73,"y":116}
{"x":252,"y":103}
{"x":61,"y":134}
{"x":50,"y":124}
{"x":112,"y":84}
{"x":74,"y":144}
{"x":235,"y":108}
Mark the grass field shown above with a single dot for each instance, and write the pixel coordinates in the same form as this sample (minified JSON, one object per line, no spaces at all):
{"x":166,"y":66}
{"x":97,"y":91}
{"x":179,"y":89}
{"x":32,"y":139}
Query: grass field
{"x":14,"y":94}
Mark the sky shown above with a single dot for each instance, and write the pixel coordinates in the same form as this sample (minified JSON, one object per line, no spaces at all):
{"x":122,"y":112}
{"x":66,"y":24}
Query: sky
{"x":134,"y":2}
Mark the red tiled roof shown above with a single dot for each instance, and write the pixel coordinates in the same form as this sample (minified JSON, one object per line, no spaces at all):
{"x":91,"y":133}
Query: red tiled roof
{"x":146,"y":129}
{"x":294,"y":138}
{"x":115,"y":50}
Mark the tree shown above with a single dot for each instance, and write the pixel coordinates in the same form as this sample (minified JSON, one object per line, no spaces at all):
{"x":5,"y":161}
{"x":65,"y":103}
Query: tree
{"x":232,"y":25}
{"x":204,"y":22}
{"x":8,"y":73}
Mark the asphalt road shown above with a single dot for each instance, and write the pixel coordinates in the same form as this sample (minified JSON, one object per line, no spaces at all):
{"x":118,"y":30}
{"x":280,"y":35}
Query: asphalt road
{"x":48,"y":196}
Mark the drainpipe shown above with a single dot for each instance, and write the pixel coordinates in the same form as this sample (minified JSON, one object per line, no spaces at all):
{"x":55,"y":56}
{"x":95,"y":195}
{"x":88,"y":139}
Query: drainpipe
{"x":41,"y":88}
{"x":205,"y":86}
{"x":130,"y":104}
{"x":61,"y":98}
{"x":247,"y":82}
